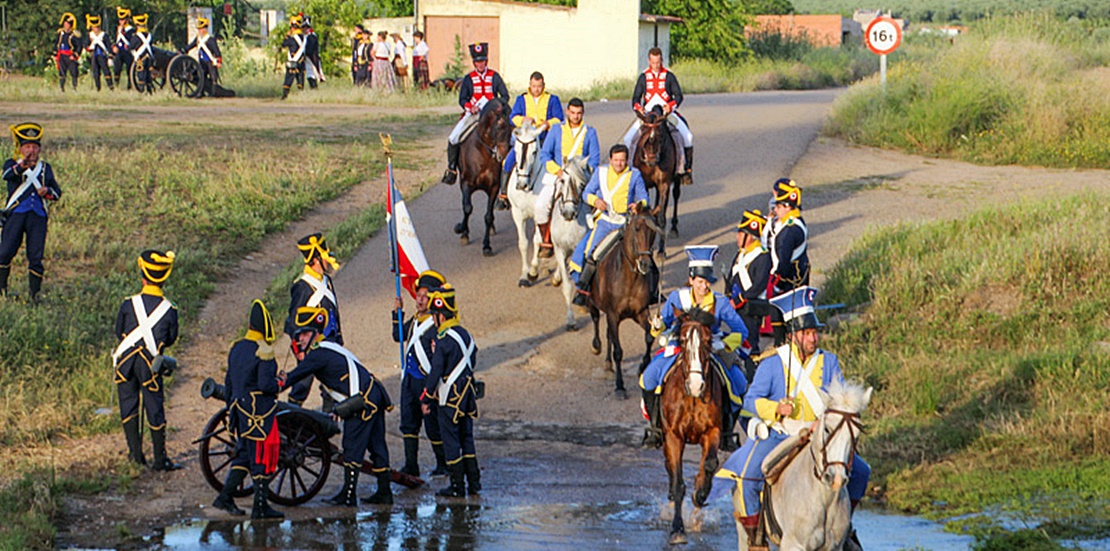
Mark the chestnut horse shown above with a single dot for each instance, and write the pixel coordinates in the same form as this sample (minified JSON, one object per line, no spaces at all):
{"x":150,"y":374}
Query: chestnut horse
{"x":657,"y":162}
{"x":481,"y":155}
{"x":691,"y":407}
{"x":621,"y":291}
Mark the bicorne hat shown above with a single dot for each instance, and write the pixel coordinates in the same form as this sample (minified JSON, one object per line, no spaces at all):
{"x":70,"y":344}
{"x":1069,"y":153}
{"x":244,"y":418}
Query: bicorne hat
{"x":442,"y":301}
{"x":156,"y":265}
{"x":786,"y":191}
{"x":315,"y":245}
{"x":261,"y":322}
{"x":753,"y":223}
{"x":430,"y":280}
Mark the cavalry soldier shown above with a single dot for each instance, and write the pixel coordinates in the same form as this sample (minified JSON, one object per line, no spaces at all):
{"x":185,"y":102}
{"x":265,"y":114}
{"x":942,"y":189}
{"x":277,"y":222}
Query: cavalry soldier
{"x":122,"y":46}
{"x":30,"y":184}
{"x":478,"y":88}
{"x":788,"y":237}
{"x":67,"y":47}
{"x":252,"y":389}
{"x":570,"y":139}
{"x":146,"y":325}
{"x":294,"y":60}
{"x":622,"y":192}
{"x":417,"y":333}
{"x":746,"y":284}
{"x":700,"y":301}
{"x":142,"y":53}
{"x":361,"y":401}
{"x":314,"y":289}
{"x":658,"y":87}
{"x":98,"y":51}
{"x":783,"y":398}
{"x":420,"y":48}
{"x":312,"y":54}
{"x":208,"y":51}
{"x":536,"y":108}
{"x":450,"y":387}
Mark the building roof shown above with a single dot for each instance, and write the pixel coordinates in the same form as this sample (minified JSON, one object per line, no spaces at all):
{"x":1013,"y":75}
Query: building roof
{"x":660,"y":18}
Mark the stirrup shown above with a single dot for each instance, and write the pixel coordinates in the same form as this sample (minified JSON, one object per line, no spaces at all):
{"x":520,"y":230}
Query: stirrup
{"x":449,"y":176}
{"x":653,"y":438}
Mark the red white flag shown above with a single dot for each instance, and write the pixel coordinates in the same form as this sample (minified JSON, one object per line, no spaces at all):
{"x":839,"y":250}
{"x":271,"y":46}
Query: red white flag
{"x":410,"y":261}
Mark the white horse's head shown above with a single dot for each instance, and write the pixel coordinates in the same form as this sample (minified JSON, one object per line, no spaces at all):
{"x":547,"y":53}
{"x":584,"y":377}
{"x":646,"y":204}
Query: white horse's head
{"x":527,"y":149}
{"x":527,"y":133}
{"x":576,"y":173}
{"x":838,"y":431}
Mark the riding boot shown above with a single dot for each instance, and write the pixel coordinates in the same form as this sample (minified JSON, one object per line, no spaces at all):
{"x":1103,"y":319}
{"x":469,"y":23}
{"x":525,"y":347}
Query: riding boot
{"x":284,"y":92}
{"x":134,"y":441}
{"x":161,"y":462}
{"x":4,"y":272}
{"x":261,"y":508}
{"x":34,"y":283}
{"x":502,"y":202}
{"x":653,"y":434}
{"x":584,"y":281}
{"x":654,"y":296}
{"x":457,"y":488}
{"x":452,"y":173}
{"x":688,"y":174}
{"x":226,"y":500}
{"x":441,"y":461}
{"x":751,"y":527}
{"x":346,"y":496}
{"x":473,"y":475}
{"x":412,"y":447}
{"x":384,"y":494}
{"x":547,"y":250}
{"x":729,"y":439}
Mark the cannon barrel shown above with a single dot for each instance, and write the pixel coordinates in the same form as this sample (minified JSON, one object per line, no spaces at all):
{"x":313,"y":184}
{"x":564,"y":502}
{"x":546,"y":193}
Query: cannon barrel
{"x":211,"y":389}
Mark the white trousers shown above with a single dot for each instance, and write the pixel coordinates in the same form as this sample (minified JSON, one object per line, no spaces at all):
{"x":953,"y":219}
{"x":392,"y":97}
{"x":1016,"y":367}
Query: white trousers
{"x":468,"y":119}
{"x":676,"y":122}
{"x":543,"y":200}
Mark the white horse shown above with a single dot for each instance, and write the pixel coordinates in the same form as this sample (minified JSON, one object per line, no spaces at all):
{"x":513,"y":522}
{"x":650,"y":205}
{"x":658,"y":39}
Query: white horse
{"x":568,"y":224}
{"x":526,"y":175}
{"x":809,"y":500}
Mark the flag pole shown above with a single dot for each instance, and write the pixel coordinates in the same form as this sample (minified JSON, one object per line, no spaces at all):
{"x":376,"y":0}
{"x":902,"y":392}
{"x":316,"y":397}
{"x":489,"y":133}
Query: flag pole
{"x":387,"y":144}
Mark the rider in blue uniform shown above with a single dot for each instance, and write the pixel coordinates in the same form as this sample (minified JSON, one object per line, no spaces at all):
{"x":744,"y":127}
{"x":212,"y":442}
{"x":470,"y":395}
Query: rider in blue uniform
{"x":780,"y":401}
{"x":538,"y":108}
{"x":697,"y":296}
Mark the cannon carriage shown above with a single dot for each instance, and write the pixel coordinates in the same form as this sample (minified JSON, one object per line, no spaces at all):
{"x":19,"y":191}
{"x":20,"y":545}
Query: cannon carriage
{"x":185,"y":74}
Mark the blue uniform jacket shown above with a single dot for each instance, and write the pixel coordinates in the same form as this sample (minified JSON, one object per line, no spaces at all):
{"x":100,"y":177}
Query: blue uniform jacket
{"x":460,"y":395}
{"x":29,"y":200}
{"x":165,"y":331}
{"x":770,"y":380}
{"x":637,"y":190}
{"x":722,"y":311}
{"x":299,"y":294}
{"x":554,"y":110}
{"x":402,"y":333}
{"x":553,"y":148}
{"x":330,"y":368}
{"x":252,"y":388}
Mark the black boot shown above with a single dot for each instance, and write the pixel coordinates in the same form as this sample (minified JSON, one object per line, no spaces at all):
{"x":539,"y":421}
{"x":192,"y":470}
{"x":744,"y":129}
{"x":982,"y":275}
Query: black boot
{"x":456,"y":489}
{"x":653,"y":434}
{"x":729,"y":439}
{"x":262,"y":509}
{"x":441,"y":461}
{"x":583,"y":286}
{"x":226,"y":501}
{"x":346,"y":496}
{"x":502,"y":202}
{"x":34,"y":283}
{"x":688,"y":174}
{"x":134,"y":441}
{"x":284,"y":92}
{"x":384,"y":494}
{"x":654,"y":297}
{"x":473,"y":475}
{"x":4,"y":271}
{"x":452,"y":172}
{"x":412,"y":447}
{"x":161,"y":462}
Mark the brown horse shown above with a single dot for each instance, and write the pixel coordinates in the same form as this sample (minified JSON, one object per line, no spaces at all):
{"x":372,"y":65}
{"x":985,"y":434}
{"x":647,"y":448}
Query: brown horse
{"x":656,"y":160}
{"x":481,"y":155}
{"x":621,"y":291}
{"x":692,"y":397}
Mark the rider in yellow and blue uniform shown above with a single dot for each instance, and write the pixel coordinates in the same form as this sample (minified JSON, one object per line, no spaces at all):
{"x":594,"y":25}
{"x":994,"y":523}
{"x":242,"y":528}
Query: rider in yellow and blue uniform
{"x":783,"y":399}
{"x":538,"y":108}
{"x":622,"y":193}
{"x":574,"y":138}
{"x":697,"y":296}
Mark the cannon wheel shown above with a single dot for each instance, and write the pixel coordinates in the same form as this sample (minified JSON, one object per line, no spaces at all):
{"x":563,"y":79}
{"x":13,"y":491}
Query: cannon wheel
{"x":186,"y":76}
{"x":216,"y":453}
{"x":139,"y":86}
{"x":305,"y":460}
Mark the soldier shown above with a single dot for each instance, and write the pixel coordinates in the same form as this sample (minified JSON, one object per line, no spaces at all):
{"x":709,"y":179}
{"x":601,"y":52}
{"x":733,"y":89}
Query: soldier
{"x":536,"y":108}
{"x":450,"y":386}
{"x":98,"y":52}
{"x":788,"y":237}
{"x":361,"y":402}
{"x":142,"y":54}
{"x":252,"y":389}
{"x":355,"y":40}
{"x":570,"y":139}
{"x":417,"y":334}
{"x":146,"y":325}
{"x":208,"y":51}
{"x":314,"y":288}
{"x":30,"y":184}
{"x":66,"y":50}
{"x":658,"y":87}
{"x":294,"y":60}
{"x":363,"y":59}
{"x":122,"y":46}
{"x":478,"y":88}
{"x":312,"y":54}
{"x":746,"y":284}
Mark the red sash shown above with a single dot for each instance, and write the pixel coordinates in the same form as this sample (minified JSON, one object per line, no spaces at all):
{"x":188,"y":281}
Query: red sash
{"x":268,"y":451}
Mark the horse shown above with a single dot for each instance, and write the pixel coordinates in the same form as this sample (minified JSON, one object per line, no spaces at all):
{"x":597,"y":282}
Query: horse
{"x":657,"y":162}
{"x":480,"y":157}
{"x":523,"y":187}
{"x":692,"y":400}
{"x":809,"y":495}
{"x":621,"y":291}
{"x":568,"y":225}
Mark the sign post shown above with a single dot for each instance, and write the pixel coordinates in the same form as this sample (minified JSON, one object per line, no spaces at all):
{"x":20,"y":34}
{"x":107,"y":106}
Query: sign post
{"x":883,"y":36}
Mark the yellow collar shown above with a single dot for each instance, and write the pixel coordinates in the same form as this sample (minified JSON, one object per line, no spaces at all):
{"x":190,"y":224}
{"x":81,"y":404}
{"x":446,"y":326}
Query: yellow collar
{"x":309,"y":271}
{"x":753,"y":246}
{"x":256,"y":336}
{"x":443,"y":327}
{"x":707,"y":302}
{"x":794,"y":213}
{"x":153,"y":290}
{"x":421,"y":317}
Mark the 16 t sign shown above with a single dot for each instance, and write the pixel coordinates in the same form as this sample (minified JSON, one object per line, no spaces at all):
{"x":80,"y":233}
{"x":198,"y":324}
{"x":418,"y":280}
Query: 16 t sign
{"x":883,"y":35}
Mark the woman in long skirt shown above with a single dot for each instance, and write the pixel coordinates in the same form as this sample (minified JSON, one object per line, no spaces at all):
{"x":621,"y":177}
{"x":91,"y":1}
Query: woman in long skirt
{"x":382,"y":74}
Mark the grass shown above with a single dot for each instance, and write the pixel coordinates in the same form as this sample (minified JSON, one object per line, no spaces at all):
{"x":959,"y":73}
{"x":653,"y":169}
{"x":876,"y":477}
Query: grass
{"x":980,"y":339}
{"x":1026,"y":89}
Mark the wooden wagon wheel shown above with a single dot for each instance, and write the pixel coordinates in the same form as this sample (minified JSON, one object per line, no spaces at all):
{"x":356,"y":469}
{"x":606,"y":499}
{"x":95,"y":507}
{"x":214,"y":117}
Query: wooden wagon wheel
{"x":217,"y":449}
{"x":140,"y":87}
{"x":186,"y":76}
{"x":305,"y":459}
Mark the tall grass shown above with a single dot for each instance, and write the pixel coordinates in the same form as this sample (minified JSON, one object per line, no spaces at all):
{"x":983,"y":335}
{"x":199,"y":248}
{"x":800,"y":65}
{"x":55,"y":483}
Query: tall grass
{"x":979,"y":338}
{"x":1027,"y":89}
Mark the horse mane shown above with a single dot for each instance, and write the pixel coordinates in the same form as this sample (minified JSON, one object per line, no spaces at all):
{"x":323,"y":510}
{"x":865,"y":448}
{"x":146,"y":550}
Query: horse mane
{"x":850,"y":396}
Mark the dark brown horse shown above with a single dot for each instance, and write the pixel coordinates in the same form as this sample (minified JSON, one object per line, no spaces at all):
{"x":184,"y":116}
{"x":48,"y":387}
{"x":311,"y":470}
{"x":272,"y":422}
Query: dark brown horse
{"x":621,"y":291}
{"x":481,"y":155}
{"x":657,"y":161}
{"x":692,"y":397}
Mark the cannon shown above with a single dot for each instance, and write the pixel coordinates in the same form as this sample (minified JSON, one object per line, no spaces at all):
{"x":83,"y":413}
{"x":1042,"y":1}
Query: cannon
{"x":304,"y":461}
{"x":186,"y":76}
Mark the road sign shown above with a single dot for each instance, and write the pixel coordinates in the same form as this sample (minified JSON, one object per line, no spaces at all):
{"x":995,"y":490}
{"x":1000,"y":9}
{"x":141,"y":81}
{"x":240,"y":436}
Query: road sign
{"x":883,"y":35}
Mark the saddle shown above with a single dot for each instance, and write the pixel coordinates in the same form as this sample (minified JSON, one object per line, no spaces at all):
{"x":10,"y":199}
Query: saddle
{"x":468,"y":130}
{"x":676,"y":139}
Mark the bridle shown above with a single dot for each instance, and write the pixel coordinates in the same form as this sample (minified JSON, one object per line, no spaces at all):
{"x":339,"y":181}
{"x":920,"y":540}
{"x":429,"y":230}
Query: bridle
{"x":635,"y":262}
{"x":651,"y":158}
{"x":488,"y":141}
{"x":693,"y":344}
{"x":848,"y":419}
{"x":562,"y":197}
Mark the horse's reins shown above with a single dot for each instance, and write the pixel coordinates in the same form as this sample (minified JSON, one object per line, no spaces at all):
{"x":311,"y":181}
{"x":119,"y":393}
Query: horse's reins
{"x":855,"y":426}
{"x":636,"y":265}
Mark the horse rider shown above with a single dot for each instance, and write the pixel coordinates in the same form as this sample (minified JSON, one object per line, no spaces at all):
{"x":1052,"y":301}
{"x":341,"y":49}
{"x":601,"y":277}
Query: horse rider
{"x":658,"y":87}
{"x":696,"y":296}
{"x":783,"y":399}
{"x":296,"y":43}
{"x":536,"y":108}
{"x":478,"y":88}
{"x":252,"y":389}
{"x":746,"y":282}
{"x":313,"y":68}
{"x":121,"y":48}
{"x":417,"y":333}
{"x":361,"y":401}
{"x":788,"y":237}
{"x":622,"y":193}
{"x":146,"y":325}
{"x":67,"y":48}
{"x":142,"y":52}
{"x":566,"y":140}
{"x":450,"y":386}
{"x":314,"y":289}
{"x":24,"y":217}
{"x":208,"y":52}
{"x":98,"y":52}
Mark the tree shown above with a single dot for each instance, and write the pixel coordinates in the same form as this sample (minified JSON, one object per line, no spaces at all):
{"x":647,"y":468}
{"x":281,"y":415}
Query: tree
{"x":770,"y":7}
{"x":331,"y":19}
{"x":713,"y":29}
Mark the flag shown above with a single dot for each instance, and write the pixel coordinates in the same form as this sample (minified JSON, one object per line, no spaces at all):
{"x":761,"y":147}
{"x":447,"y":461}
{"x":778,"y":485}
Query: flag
{"x":408,"y":255}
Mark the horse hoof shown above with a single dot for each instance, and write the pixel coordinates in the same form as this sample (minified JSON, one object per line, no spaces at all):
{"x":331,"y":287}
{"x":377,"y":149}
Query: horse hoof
{"x":570,"y":327}
{"x":532,"y":277}
{"x":523,"y":282}
{"x":458,"y":229}
{"x":674,"y":232}
{"x":487,"y":251}
{"x":464,"y":240}
{"x":556,"y":281}
{"x":621,"y":394}
{"x":595,"y":349}
{"x":679,"y":538}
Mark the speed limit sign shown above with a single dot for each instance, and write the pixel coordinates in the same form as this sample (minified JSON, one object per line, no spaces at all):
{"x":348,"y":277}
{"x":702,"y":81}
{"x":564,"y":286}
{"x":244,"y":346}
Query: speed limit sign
{"x":883,"y":35}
